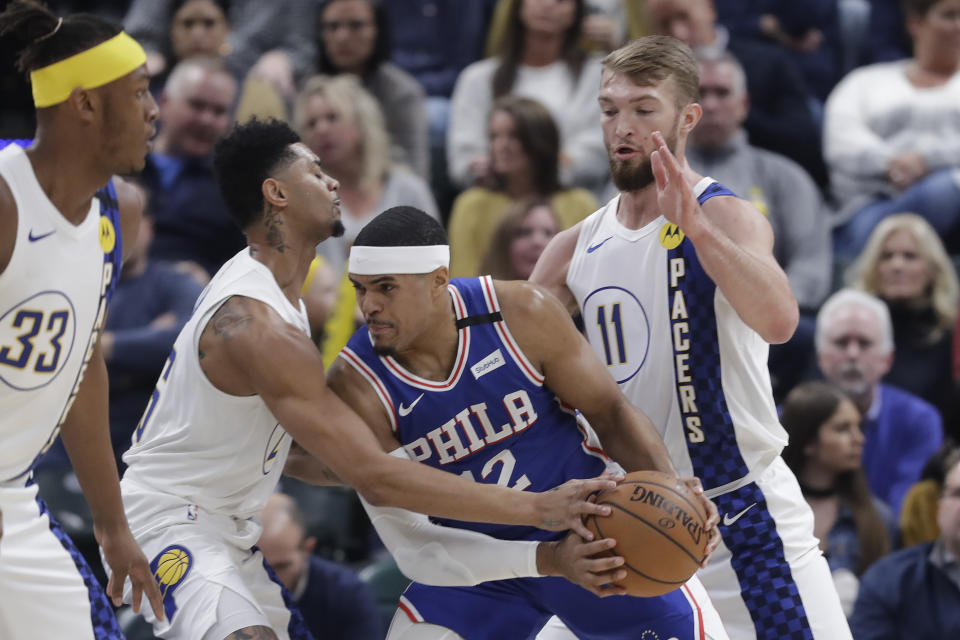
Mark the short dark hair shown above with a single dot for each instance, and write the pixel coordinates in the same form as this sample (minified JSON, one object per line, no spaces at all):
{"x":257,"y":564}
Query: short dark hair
{"x":401,"y":227}
{"x":653,"y":59}
{"x":42,"y":39}
{"x":244,"y":158}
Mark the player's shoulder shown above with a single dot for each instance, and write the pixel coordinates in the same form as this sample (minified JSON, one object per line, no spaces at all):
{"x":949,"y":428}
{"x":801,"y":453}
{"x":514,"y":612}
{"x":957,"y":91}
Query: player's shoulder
{"x":527,"y":301}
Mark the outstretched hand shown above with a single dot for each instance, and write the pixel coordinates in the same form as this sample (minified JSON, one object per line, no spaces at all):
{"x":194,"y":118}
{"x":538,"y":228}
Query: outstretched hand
{"x":675,"y":197}
{"x":125,"y":559}
{"x":713,"y":517}
{"x":565,"y":506}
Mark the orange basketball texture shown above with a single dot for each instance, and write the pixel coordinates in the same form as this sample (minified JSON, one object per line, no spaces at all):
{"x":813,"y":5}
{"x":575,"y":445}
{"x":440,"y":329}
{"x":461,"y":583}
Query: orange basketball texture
{"x":658,"y":524}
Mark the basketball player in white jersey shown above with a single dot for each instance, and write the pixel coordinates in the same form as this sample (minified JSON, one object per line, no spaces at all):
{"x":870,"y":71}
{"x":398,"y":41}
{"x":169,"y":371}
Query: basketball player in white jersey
{"x":242,"y":381}
{"x":60,"y":254}
{"x":680,"y":296}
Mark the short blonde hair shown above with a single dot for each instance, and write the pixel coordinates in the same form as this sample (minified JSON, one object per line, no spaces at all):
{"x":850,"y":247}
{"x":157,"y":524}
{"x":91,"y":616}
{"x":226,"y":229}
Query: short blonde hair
{"x":348,"y":96}
{"x":652,"y":59}
{"x":944,"y":290}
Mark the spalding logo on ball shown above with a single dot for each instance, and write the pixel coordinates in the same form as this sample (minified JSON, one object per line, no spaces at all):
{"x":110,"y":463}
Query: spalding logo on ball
{"x":658,"y":524}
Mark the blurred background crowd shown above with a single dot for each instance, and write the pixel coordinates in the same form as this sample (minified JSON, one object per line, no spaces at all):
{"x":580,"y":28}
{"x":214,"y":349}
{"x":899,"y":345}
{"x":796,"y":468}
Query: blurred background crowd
{"x":838,"y":119}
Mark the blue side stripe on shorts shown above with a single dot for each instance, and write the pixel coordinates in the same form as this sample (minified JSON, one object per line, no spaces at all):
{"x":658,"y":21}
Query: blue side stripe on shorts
{"x":757,"y":556}
{"x":297,"y":627}
{"x":105,"y":626}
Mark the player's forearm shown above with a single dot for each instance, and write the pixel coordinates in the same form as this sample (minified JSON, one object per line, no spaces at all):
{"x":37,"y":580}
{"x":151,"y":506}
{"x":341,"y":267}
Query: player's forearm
{"x":392,"y":482}
{"x":86,"y":437}
{"x":758,"y":290}
{"x":628,"y":436}
{"x":307,"y":468}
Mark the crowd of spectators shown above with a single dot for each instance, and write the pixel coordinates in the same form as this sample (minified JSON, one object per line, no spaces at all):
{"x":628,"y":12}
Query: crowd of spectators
{"x":838,"y":119}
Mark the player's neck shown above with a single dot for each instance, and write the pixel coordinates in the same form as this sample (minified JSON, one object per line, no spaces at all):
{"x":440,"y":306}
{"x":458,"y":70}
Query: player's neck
{"x":433,"y":355}
{"x":69,"y":182}
{"x":289,"y":264}
{"x":639,"y":208}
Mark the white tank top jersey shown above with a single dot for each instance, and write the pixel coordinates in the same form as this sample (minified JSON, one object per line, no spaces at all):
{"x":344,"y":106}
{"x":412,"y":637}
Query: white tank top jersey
{"x":196,"y":443}
{"x":677,"y":348}
{"x":53,"y":297}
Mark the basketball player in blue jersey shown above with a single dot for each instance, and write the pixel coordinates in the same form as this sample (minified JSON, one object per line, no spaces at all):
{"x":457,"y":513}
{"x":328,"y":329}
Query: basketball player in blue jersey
{"x":680,"y":296}
{"x":242,"y":381}
{"x":60,"y":255}
{"x":478,"y":378}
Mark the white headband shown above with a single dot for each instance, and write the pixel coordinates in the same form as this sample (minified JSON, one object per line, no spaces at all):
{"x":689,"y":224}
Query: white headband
{"x":372,"y":261}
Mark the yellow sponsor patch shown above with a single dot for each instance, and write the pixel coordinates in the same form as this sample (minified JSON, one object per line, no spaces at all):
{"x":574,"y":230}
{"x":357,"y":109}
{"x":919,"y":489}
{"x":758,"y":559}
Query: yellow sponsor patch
{"x":108,"y":235}
{"x":671,"y":236}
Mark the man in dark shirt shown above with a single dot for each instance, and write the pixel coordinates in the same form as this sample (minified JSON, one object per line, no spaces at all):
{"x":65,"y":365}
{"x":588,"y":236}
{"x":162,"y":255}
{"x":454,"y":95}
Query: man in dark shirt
{"x":779,"y":119}
{"x":915,"y":593}
{"x":333,"y":600}
{"x":191,"y":220}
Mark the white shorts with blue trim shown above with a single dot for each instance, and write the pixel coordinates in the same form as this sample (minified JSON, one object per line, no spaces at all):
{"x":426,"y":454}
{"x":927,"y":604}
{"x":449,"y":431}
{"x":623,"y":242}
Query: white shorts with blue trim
{"x":47,"y":590}
{"x":194,"y":571}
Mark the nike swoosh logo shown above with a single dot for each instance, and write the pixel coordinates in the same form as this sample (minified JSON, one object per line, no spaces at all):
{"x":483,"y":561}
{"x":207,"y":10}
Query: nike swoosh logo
{"x":598,"y":245}
{"x":405,"y":411}
{"x":33,"y":238}
{"x":727,"y":520}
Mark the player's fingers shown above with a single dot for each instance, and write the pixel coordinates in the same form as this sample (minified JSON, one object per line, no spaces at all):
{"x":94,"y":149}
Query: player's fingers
{"x":694,"y":484}
{"x":115,"y":586}
{"x":577,"y":526}
{"x":153,"y":593}
{"x":659,"y":171}
{"x":587,"y":549}
{"x":137,"y":595}
{"x":605,"y":565}
{"x":593,"y":509}
{"x":667,"y":157}
{"x":713,"y":516}
{"x":583,"y":489}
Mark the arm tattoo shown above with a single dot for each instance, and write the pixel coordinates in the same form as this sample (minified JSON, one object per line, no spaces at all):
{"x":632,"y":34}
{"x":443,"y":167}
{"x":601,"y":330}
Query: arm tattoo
{"x":273,"y":222}
{"x":232,"y":317}
{"x":253,"y":633}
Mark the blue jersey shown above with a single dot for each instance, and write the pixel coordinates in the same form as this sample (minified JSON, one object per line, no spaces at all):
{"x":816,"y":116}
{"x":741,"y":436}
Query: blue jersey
{"x":493,"y":419}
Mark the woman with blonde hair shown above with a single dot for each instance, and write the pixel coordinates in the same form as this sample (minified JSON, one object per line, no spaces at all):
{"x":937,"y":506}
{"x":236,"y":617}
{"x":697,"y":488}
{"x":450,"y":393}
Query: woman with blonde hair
{"x":905,"y":264}
{"x":342,"y":123}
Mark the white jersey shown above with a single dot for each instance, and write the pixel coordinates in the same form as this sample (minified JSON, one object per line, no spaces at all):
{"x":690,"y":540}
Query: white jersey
{"x":677,"y":348}
{"x":53,"y":297}
{"x":197,"y":445}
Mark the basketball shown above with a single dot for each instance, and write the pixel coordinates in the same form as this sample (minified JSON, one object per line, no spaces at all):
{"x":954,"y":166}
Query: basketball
{"x":658,"y":524}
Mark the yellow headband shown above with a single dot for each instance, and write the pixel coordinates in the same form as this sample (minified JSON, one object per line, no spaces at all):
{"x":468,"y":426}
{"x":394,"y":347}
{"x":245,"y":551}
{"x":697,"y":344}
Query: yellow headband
{"x":88,"y":69}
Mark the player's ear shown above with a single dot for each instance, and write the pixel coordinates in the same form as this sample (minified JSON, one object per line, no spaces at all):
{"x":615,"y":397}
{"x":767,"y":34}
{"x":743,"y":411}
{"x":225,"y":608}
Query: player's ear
{"x":273,"y":193}
{"x":84,"y":103}
{"x":440,"y":278}
{"x":690,"y":116}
